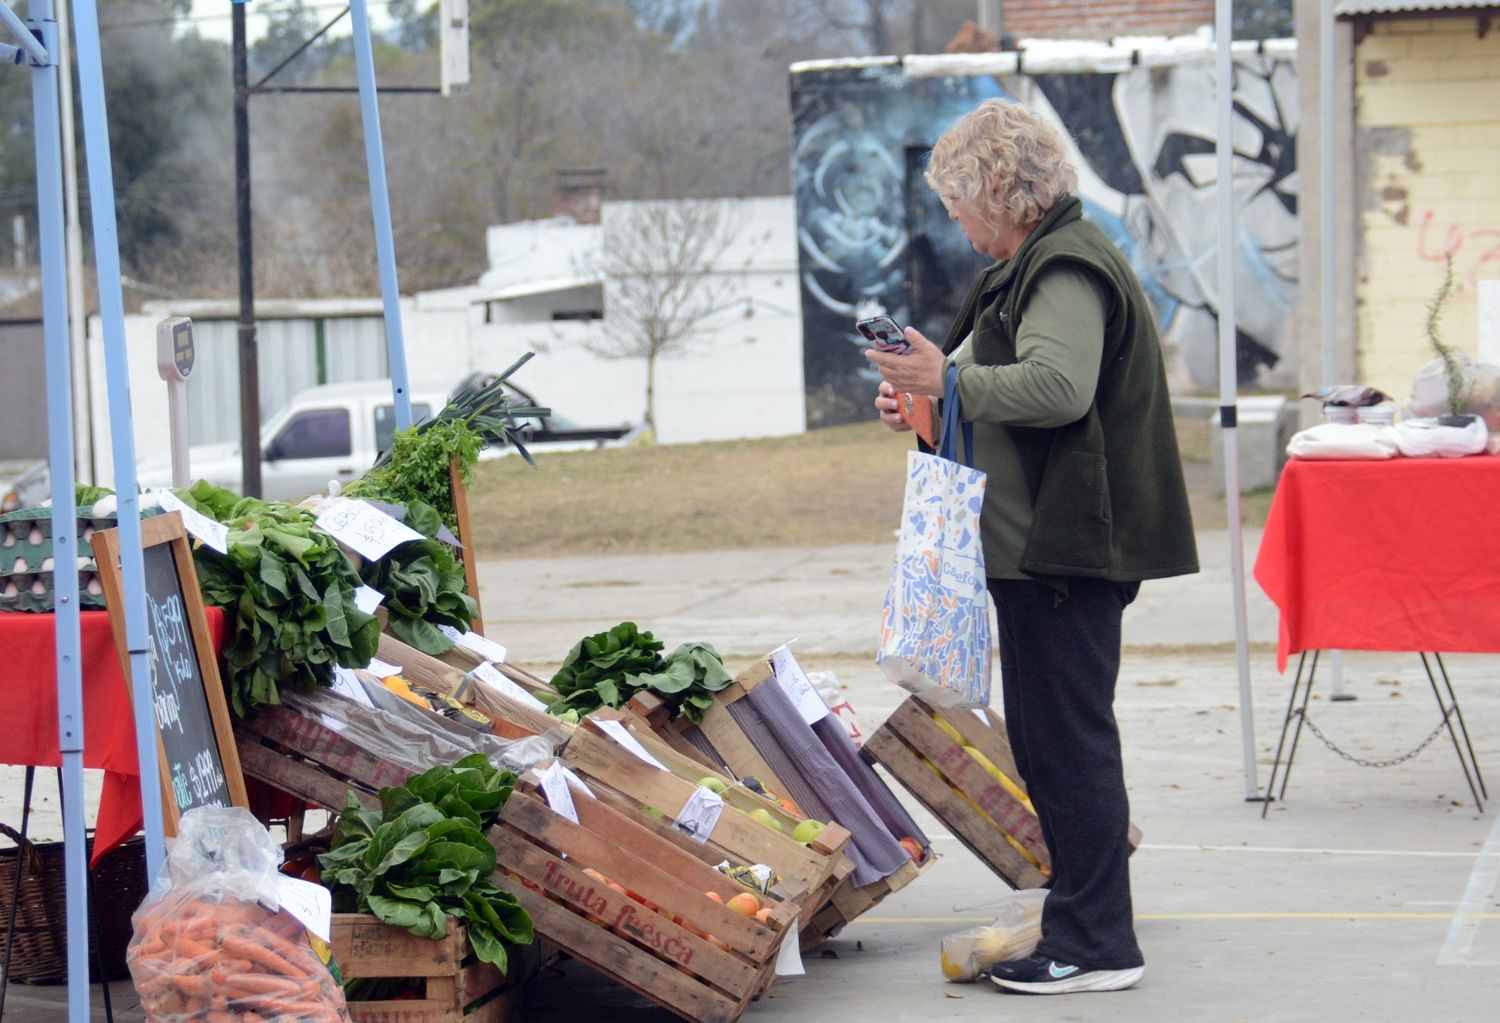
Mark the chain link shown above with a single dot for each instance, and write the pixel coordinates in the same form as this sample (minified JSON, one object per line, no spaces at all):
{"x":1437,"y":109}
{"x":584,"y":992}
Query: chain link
{"x":1403,"y":758}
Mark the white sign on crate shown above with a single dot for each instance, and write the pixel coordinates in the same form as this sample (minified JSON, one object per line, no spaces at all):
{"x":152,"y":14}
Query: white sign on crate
{"x":365,"y":528}
{"x":797,"y":686}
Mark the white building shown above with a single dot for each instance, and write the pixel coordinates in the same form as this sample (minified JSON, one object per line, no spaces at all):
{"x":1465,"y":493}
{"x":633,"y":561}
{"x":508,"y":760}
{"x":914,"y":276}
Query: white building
{"x":739,"y":376}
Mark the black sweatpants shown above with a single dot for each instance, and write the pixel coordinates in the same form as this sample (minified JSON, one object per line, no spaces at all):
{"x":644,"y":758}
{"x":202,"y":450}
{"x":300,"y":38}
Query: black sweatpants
{"x":1059,"y":658}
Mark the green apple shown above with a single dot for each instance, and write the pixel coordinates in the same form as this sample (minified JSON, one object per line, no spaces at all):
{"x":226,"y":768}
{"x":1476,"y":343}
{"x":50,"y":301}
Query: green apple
{"x":765,"y":817}
{"x":807,"y":831}
{"x":713,"y":784}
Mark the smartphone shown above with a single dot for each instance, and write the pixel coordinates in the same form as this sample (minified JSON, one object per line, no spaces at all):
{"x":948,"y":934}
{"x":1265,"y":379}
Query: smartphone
{"x":884,"y":334}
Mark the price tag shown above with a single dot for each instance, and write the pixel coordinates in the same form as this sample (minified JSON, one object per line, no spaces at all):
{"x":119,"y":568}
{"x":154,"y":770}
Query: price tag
{"x":576,"y":784}
{"x":789,"y":962}
{"x":491,"y":676}
{"x":984,"y":718}
{"x":620,"y":734}
{"x":345,"y":683}
{"x":797,"y":686}
{"x":367,"y":530}
{"x":555,"y":789}
{"x":310,"y":903}
{"x":214,"y":534}
{"x":700,"y":814}
{"x":382,"y":669}
{"x":367,"y":599}
{"x":475,"y":643}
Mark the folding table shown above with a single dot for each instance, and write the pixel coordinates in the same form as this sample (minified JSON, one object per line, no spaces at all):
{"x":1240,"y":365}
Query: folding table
{"x":1394,"y":555}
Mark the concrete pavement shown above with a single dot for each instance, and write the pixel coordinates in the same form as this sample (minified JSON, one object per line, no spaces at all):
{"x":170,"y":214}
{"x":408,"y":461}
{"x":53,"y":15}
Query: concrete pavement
{"x":1367,"y":894}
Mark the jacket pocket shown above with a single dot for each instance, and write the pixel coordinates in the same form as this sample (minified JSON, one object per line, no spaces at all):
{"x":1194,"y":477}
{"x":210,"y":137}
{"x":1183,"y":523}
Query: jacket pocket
{"x":1070,"y":523}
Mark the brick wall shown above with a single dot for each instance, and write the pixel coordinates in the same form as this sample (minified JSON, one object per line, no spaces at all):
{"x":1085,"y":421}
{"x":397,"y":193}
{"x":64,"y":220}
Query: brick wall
{"x":1427,"y":145}
{"x":1104,"y":19}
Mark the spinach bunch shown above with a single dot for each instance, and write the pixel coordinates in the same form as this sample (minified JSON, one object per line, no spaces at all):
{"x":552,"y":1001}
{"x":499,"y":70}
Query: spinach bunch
{"x":609,"y":668}
{"x":423,"y":584}
{"x":288,"y":594}
{"x":424,"y":857}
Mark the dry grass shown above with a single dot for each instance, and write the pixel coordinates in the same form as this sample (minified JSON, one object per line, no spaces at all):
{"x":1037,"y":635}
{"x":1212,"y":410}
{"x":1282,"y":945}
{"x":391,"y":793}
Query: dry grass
{"x":833,"y":486}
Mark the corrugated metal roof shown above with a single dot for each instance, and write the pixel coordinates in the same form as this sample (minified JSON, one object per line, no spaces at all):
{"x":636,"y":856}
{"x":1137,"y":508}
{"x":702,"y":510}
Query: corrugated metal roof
{"x":1348,"y":8}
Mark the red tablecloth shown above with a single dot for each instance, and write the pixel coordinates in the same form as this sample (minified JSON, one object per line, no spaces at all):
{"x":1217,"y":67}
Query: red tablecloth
{"x":1391,"y":555}
{"x":28,"y":680}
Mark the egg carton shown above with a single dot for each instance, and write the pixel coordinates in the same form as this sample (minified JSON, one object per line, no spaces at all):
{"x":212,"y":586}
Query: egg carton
{"x":27,"y":560}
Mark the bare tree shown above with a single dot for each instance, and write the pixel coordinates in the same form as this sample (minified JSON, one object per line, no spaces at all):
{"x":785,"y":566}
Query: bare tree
{"x":663,"y":266}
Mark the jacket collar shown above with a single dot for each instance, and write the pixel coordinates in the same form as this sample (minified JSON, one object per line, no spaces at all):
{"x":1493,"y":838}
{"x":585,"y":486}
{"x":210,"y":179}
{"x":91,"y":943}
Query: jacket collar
{"x":1067,"y":209}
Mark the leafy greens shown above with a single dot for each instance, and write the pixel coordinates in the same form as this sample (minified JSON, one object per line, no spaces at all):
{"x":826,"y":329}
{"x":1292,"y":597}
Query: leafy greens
{"x":424,"y":857}
{"x":608,"y":668}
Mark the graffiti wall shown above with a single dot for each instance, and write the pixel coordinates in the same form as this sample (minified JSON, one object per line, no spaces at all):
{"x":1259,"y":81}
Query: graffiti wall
{"x":874,"y":238}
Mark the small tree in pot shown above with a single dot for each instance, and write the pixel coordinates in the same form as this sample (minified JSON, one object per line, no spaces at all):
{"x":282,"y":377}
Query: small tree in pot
{"x":1455,"y":363}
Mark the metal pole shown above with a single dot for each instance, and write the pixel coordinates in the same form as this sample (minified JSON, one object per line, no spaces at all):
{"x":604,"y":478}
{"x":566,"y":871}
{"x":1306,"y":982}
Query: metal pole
{"x":122,"y":440}
{"x":249,"y":347}
{"x":1228,"y":379}
{"x":34,"y":49}
{"x":380,"y":208}
{"x":1327,"y":270}
{"x":69,"y":676}
{"x":989,"y":17}
{"x":83,"y":373}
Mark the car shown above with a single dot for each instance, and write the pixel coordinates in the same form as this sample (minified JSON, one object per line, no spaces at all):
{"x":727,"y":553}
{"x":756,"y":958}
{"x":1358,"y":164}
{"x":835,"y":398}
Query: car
{"x":335,"y":432}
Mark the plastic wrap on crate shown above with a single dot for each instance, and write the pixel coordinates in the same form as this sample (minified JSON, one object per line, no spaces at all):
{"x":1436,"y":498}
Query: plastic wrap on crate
{"x":816,"y":780}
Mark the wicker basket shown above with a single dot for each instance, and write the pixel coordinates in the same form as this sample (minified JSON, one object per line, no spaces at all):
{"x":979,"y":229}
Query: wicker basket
{"x":39,"y":953}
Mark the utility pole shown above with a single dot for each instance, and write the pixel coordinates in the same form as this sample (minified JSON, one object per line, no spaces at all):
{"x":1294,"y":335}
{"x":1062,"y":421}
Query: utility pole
{"x":249,"y":347}
{"x":990,"y":17}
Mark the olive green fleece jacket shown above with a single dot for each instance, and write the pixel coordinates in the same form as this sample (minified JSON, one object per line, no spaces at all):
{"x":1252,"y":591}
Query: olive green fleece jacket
{"x":1105,"y":486}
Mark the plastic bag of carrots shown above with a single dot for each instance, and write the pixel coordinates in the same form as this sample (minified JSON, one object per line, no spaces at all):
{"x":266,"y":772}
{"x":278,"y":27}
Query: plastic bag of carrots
{"x":211,"y":944}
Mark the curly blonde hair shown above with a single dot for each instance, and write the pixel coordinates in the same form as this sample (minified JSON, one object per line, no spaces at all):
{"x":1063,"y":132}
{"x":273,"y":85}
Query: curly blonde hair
{"x":1001,"y":159}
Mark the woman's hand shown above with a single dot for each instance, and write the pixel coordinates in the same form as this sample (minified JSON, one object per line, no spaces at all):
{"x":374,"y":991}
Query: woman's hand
{"x":888,"y":405}
{"x":919,"y":370}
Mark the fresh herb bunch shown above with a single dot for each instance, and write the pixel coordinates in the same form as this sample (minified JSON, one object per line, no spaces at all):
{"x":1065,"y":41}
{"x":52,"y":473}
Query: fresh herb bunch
{"x":423,"y":584}
{"x":416,"y":466}
{"x":287,"y":591}
{"x":424,"y":857}
{"x":608,"y":668}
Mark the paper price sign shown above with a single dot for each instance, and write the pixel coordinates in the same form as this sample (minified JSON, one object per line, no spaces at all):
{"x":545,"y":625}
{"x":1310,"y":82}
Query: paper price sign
{"x":797,"y":686}
{"x":554,"y":781}
{"x":700,"y":814}
{"x":214,"y":534}
{"x":490,"y":675}
{"x":620,"y":734}
{"x":367,"y":599}
{"x":475,"y":643}
{"x":310,"y":903}
{"x":367,"y":530}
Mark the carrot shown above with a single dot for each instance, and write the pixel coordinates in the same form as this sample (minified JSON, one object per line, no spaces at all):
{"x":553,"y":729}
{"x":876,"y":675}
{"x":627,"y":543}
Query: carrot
{"x":219,"y":1016}
{"x":265,"y":957}
{"x":193,"y":987}
{"x":244,"y":984}
{"x":283,"y":1010}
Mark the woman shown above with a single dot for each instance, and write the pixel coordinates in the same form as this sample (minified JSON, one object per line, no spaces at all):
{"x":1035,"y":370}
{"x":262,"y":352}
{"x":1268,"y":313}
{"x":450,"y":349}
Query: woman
{"x":1060,"y":371}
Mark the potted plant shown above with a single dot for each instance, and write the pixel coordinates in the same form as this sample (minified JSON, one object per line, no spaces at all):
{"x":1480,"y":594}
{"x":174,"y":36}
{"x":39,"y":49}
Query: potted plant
{"x":1455,"y":363}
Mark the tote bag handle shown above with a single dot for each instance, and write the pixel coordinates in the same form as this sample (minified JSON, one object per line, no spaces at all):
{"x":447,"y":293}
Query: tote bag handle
{"x":952,"y":421}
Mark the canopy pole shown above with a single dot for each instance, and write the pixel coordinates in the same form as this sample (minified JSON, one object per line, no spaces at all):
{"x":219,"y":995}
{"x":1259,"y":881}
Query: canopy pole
{"x":46,"y":128}
{"x":380,"y":209}
{"x":122,"y":439}
{"x":1228,"y":377}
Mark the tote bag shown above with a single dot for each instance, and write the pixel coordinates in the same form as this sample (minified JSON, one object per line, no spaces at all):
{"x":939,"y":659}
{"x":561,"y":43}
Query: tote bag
{"x":935,"y":630}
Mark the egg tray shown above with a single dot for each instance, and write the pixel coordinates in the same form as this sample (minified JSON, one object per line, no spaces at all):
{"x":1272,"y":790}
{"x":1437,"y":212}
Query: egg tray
{"x":27,"y":566}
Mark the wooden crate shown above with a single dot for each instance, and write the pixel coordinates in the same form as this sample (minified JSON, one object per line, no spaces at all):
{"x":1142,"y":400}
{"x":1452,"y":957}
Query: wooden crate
{"x":456,"y":986}
{"x":632,"y":784}
{"x":305,"y":757}
{"x":659,"y":953}
{"x":990,"y":816}
{"x":841,"y":900}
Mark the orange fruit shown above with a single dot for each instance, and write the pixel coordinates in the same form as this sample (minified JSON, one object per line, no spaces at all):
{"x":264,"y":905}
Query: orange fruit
{"x":716,"y":897}
{"x":913,"y":848}
{"x":763,"y":914}
{"x":745,"y":904}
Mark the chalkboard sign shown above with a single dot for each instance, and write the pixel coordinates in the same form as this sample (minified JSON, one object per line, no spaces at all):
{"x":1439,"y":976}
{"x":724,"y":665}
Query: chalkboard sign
{"x":195,"y":743}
